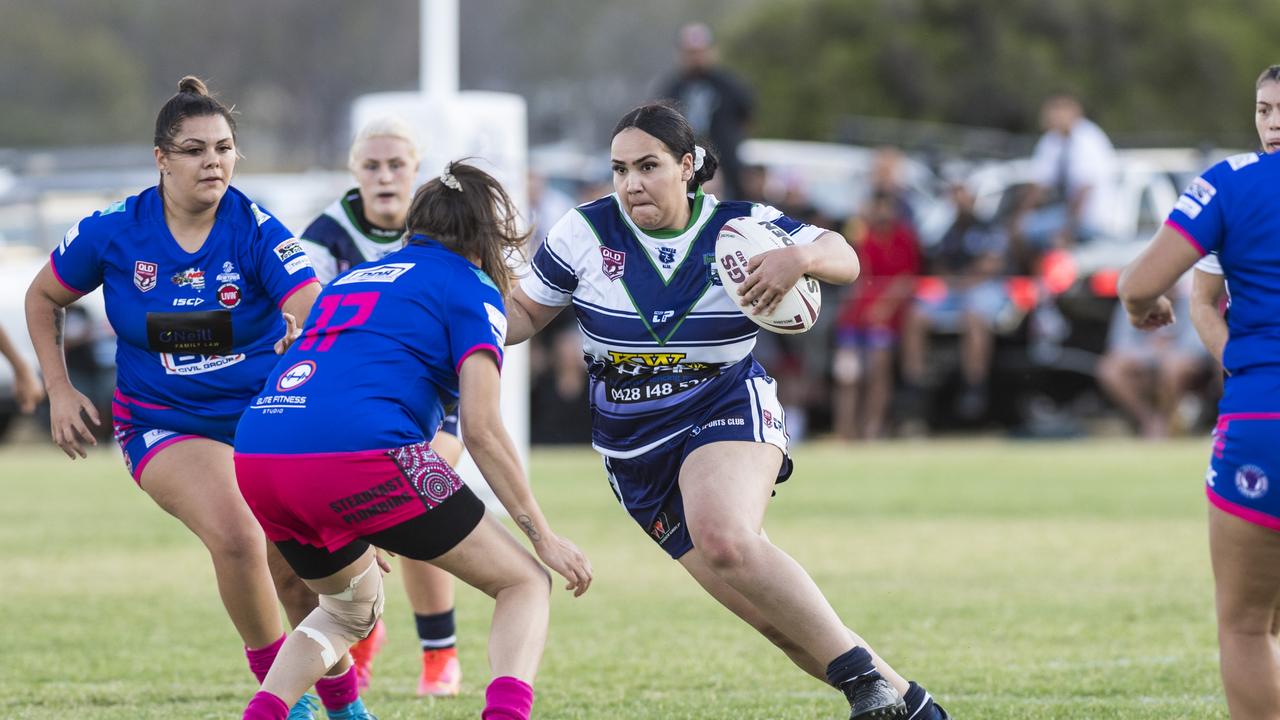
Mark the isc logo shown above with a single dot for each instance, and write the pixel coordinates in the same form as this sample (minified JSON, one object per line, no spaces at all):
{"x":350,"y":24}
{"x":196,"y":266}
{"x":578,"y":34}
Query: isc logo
{"x":187,"y":302}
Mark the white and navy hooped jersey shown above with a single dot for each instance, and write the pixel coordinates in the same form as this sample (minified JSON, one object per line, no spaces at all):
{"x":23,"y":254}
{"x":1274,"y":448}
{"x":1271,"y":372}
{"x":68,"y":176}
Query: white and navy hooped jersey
{"x":341,"y":238}
{"x":661,"y":336}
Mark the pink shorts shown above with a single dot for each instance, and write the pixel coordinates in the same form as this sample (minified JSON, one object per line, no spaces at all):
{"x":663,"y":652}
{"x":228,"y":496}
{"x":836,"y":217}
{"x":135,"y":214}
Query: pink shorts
{"x":331,"y":499}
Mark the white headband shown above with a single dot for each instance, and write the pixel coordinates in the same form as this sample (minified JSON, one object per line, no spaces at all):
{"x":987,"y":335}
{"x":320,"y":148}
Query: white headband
{"x":449,"y":180}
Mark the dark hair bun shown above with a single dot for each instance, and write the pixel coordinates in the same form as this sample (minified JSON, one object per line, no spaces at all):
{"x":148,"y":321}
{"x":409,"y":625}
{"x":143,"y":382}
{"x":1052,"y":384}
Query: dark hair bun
{"x":192,"y":84}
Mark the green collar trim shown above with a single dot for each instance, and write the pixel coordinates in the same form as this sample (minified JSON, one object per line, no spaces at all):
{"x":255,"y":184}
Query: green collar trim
{"x":668,"y":234}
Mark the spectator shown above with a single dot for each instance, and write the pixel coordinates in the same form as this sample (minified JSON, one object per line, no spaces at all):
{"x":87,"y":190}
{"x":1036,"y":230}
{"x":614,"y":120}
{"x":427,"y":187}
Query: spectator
{"x":886,"y":176}
{"x":971,"y":257}
{"x":871,"y":319}
{"x":1147,"y":373}
{"x":1072,"y":172}
{"x":717,"y":103}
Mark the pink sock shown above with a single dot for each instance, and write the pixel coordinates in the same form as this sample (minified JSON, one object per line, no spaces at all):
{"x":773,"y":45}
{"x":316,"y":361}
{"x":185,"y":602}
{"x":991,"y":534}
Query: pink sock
{"x":338,"y":692}
{"x":260,"y":660}
{"x":265,"y":706}
{"x":507,"y":698}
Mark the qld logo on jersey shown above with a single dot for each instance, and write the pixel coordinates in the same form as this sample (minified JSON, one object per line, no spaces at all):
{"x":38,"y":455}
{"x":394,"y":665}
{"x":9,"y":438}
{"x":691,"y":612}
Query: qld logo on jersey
{"x":295,"y":376}
{"x":144,"y":275}
{"x":175,"y":364}
{"x":1251,"y":481}
{"x":191,"y":277}
{"x":612,"y":262}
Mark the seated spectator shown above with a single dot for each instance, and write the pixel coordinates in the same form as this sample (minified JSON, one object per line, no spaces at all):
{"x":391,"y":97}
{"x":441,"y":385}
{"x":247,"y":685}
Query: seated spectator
{"x":1073,"y":169}
{"x":971,"y":260}
{"x":871,"y":318}
{"x":1147,"y":374}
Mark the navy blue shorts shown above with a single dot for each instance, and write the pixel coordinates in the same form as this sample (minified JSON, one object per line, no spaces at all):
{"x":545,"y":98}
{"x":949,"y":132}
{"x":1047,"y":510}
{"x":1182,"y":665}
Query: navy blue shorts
{"x":1246,"y":453}
{"x":648,"y":484}
{"x":143,"y":429}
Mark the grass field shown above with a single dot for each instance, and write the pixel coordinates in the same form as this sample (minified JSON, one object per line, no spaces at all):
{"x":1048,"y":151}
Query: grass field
{"x":1015,"y":580}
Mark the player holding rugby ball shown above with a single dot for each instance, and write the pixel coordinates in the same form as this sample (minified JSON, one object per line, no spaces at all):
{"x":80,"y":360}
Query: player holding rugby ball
{"x":689,"y":424}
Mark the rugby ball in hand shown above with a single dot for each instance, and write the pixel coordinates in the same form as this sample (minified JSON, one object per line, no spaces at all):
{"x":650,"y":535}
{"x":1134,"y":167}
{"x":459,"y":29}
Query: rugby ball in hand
{"x":741,"y":239}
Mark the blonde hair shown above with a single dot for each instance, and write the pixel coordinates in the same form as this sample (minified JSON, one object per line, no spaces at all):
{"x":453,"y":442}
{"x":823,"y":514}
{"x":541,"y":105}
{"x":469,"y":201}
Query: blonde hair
{"x":385,"y":126}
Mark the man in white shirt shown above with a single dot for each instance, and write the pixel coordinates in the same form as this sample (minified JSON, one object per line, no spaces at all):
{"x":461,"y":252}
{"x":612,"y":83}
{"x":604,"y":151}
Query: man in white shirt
{"x":1073,"y":171}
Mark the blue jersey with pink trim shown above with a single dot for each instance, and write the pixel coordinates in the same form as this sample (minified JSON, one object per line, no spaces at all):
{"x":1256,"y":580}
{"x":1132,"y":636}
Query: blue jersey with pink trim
{"x":1231,"y":210}
{"x":378,"y":358}
{"x":195,"y":330}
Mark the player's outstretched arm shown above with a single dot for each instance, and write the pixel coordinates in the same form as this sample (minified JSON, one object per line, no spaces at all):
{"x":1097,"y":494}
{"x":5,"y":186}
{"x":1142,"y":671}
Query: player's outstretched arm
{"x":526,"y":317}
{"x":45,"y":301}
{"x":496,"y":456}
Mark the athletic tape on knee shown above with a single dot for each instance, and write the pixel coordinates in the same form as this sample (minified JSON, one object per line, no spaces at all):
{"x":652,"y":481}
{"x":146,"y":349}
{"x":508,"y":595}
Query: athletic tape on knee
{"x":348,"y":615}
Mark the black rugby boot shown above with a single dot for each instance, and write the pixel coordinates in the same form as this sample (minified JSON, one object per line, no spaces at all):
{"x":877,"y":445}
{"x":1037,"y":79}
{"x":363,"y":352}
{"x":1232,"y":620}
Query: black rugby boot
{"x":871,"y":697}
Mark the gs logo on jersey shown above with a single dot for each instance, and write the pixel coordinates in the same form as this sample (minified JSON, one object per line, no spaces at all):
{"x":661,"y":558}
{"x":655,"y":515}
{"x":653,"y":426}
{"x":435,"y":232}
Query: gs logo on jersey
{"x":613,"y":262}
{"x":1251,"y":481}
{"x":144,"y":275}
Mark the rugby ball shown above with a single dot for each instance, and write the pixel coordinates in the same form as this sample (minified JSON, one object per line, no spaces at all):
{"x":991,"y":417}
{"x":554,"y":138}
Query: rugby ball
{"x":741,"y":239}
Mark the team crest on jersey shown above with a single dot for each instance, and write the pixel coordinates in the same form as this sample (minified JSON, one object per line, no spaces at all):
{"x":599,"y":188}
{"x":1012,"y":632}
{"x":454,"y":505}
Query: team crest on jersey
{"x":1251,"y":481}
{"x":229,"y":295}
{"x":191,"y":277}
{"x":144,"y":275}
{"x":295,"y":376}
{"x":612,"y":262}
{"x":666,"y":256}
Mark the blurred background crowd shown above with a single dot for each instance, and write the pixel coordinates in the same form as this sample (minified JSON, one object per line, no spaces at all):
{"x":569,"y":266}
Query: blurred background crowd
{"x":995,"y":165}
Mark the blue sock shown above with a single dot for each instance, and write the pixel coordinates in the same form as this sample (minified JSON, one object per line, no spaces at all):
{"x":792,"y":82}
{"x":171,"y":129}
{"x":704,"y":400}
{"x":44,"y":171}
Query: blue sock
{"x":853,"y":664}
{"x":436,"y":632}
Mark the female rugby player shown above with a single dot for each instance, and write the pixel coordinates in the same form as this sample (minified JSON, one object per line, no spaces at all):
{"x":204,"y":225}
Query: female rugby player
{"x":194,"y":276}
{"x":1229,"y":211}
{"x":333,"y":457}
{"x":690,"y":427}
{"x":366,"y":224}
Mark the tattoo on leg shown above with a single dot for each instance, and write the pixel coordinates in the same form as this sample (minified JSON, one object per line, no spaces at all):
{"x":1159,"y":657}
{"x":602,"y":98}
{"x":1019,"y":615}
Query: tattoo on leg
{"x":526,"y":524}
